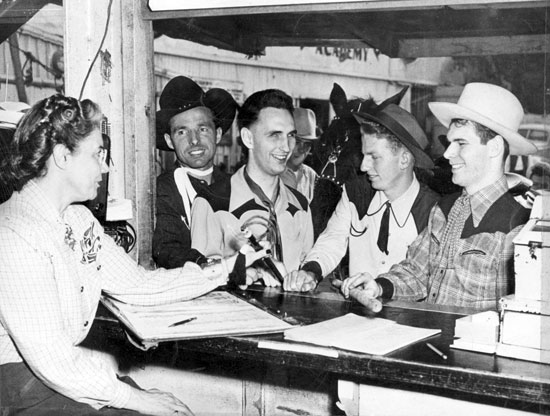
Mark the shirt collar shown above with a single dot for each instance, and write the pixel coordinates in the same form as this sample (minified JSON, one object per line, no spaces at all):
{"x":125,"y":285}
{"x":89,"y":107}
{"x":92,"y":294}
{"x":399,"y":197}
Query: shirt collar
{"x":481,"y":201}
{"x":402,"y":205}
{"x":38,"y":199}
{"x":42,"y":205}
{"x":241,"y":193}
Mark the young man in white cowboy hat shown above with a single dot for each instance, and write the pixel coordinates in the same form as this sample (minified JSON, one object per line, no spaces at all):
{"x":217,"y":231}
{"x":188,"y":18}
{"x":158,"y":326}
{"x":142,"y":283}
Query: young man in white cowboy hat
{"x":298,"y":175}
{"x":464,"y":257}
{"x":256,"y":199}
{"x":380,"y":213}
{"x":190,"y":122}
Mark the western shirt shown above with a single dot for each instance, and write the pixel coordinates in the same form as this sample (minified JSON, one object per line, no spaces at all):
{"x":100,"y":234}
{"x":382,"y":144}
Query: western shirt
{"x":219,"y":214}
{"x":473,"y":270}
{"x":172,"y":235}
{"x":53,"y":268}
{"x":350,"y":226}
{"x":303,"y":180}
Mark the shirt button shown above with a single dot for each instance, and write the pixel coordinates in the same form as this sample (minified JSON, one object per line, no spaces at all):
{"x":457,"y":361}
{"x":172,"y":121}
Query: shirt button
{"x":99,"y":267}
{"x":86,"y":324}
{"x":81,"y":289}
{"x":433,"y":295}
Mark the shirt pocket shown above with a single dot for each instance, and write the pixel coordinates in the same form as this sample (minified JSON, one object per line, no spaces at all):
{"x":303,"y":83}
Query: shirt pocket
{"x":477,"y":267}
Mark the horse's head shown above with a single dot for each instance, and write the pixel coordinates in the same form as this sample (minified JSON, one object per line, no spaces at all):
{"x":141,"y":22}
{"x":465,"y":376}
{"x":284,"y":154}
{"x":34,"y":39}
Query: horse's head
{"x":339,"y":148}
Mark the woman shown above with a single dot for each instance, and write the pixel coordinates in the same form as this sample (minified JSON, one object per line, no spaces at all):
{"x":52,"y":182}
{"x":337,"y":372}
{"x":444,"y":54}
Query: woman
{"x":54,"y":262}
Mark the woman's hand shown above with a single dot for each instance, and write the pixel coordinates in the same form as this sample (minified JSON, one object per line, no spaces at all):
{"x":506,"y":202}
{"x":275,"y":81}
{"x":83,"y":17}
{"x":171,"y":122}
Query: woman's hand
{"x":157,"y":403}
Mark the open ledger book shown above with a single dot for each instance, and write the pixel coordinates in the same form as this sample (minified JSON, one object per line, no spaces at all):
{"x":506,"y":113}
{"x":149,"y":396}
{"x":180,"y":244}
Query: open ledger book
{"x":215,"y":314}
{"x":352,"y":332}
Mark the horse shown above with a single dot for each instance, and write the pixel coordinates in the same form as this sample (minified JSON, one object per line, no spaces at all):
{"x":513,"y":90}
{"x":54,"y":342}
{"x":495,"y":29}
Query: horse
{"x":337,"y":156}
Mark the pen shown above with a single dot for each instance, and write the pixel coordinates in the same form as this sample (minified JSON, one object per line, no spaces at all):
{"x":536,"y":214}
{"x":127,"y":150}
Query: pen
{"x":430,"y":346}
{"x":185,"y":321}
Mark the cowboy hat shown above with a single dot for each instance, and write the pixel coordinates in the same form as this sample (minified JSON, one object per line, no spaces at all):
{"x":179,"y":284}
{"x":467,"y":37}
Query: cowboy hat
{"x":404,"y":126}
{"x":181,"y":94}
{"x":306,"y":124}
{"x":491,"y":106}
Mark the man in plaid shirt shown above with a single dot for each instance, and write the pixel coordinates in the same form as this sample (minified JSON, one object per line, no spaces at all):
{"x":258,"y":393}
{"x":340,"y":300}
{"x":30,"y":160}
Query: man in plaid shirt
{"x":464,"y":257}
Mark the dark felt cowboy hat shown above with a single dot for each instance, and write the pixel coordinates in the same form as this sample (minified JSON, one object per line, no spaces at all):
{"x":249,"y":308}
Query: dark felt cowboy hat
{"x":181,"y":94}
{"x":404,"y":126}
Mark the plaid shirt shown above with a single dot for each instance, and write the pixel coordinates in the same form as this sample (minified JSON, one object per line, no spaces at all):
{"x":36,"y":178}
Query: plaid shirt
{"x":52,"y":270}
{"x":464,"y":258}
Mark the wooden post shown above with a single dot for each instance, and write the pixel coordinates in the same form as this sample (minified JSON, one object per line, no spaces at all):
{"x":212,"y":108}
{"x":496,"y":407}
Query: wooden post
{"x":17,"y":71}
{"x":121,"y":82}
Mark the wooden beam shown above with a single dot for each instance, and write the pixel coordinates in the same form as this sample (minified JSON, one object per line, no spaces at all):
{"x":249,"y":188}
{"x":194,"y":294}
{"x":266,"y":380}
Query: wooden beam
{"x":138,"y":103}
{"x":379,"y":40}
{"x":121,"y":82}
{"x":472,"y":46}
{"x":177,"y":10}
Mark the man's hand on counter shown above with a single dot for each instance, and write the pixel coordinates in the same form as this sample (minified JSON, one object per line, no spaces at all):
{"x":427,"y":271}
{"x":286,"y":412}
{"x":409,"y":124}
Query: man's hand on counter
{"x":300,"y":281}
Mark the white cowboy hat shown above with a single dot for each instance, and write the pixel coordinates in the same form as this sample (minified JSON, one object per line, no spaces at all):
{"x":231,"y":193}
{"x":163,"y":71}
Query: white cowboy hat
{"x":491,"y":106}
{"x":306,"y":123}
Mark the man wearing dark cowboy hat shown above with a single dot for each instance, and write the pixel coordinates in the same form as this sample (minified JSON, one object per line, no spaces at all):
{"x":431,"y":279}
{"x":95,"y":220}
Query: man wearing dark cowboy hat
{"x":464,"y":257}
{"x":256,"y":199}
{"x":380,"y":213}
{"x":190,"y":122}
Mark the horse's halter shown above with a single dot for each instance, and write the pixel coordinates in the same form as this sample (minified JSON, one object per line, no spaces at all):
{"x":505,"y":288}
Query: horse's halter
{"x":333,"y":158}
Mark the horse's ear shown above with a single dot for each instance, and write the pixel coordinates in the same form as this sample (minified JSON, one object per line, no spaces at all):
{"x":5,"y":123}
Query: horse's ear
{"x":339,"y":100}
{"x":394,"y":99}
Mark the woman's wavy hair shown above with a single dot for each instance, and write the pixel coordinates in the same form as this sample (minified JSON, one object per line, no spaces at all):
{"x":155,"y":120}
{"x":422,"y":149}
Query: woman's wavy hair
{"x":54,"y":120}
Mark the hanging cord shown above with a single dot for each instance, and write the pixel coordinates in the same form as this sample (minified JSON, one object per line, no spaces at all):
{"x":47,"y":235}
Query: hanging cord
{"x":98,"y":50}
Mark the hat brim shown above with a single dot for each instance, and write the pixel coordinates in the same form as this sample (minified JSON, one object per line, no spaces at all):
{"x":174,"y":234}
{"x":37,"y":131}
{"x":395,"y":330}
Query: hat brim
{"x":162,"y":125}
{"x":307,"y":137}
{"x":220,"y":102}
{"x":446,"y":112}
{"x":421,"y":158}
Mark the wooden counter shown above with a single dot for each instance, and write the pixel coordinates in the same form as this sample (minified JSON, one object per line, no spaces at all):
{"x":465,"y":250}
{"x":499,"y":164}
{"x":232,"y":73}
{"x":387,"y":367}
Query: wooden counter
{"x":465,"y":375}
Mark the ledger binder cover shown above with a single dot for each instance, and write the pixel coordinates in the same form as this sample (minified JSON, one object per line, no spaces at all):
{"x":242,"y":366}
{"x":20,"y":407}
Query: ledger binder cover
{"x":215,"y":314}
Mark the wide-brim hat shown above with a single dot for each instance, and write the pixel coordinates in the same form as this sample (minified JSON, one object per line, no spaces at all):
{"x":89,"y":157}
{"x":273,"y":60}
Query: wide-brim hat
{"x":306,"y":124}
{"x":405,"y":127}
{"x":491,"y":106}
{"x":181,"y":94}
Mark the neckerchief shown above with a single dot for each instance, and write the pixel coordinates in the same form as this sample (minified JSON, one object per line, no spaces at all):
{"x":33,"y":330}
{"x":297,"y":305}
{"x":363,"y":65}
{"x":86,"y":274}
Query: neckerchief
{"x":185,"y":188}
{"x":269,"y":204}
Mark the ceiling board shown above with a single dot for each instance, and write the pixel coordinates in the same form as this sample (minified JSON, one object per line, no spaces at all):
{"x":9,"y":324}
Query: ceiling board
{"x":398,"y":32}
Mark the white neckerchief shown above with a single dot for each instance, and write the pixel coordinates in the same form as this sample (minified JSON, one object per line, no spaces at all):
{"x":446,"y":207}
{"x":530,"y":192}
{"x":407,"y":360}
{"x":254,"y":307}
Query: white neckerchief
{"x":186,"y":190}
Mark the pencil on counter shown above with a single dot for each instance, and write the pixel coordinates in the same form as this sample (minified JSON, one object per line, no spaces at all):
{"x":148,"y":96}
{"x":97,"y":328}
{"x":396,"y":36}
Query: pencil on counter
{"x":437,"y":351}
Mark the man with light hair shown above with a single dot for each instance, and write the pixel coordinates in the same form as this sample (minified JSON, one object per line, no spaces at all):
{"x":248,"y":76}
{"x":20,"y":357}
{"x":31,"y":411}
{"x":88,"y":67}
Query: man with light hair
{"x":464,"y":257}
{"x":380,"y":213}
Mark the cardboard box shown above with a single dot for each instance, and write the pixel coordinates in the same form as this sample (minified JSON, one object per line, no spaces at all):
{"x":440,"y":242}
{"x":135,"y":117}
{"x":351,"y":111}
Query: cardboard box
{"x":478,"y":332}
